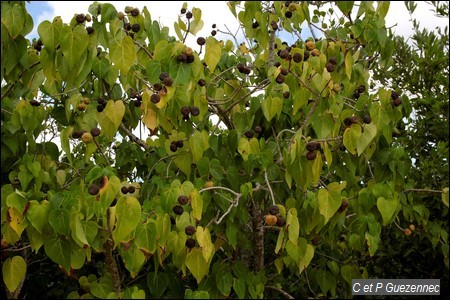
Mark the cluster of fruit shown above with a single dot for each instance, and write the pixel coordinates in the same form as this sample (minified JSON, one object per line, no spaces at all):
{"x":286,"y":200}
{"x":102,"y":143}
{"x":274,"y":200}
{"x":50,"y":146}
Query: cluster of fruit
{"x":81,"y":18}
{"x":85,"y":136}
{"x":182,"y":200}
{"x":187,"y":56}
{"x":274,"y":217}
{"x":174,"y":145}
{"x":186,"y":110}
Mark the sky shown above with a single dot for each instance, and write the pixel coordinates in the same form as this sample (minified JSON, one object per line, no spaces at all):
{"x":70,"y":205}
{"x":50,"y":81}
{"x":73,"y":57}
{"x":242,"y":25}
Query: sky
{"x":216,"y":12}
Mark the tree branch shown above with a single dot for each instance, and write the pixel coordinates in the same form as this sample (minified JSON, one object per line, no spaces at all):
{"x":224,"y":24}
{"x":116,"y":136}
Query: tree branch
{"x":134,"y":138}
{"x":270,"y":188}
{"x":424,"y":191}
{"x":285,"y":294}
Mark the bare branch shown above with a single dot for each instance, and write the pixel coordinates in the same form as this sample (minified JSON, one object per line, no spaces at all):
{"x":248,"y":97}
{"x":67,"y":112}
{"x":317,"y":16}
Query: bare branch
{"x":270,"y":188}
{"x":285,"y":294}
{"x":134,"y":138}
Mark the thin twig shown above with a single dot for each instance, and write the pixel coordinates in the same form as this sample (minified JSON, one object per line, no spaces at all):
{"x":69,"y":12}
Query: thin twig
{"x":221,"y":188}
{"x":101,"y":152}
{"x":330,"y":257}
{"x":424,"y":191}
{"x":270,"y":188}
{"x":143,"y":48}
{"x":134,"y":138}
{"x":285,"y":294}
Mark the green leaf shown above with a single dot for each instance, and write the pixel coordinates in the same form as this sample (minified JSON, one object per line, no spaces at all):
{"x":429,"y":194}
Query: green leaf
{"x":128,"y":213}
{"x":73,"y":43}
{"x":111,"y":117}
{"x":292,"y":225}
{"x":306,"y":254}
{"x":231,"y":232}
{"x":14,"y":271}
{"x":146,"y":237}
{"x":122,"y":53}
{"x":157,"y":283}
{"x":239,"y":287}
{"x":272,"y":106}
{"x":77,"y":230}
{"x":212,"y":53}
{"x":370,"y":131}
{"x":248,"y":146}
{"x":14,"y":16}
{"x":317,"y":168}
{"x":59,"y":220}
{"x":349,"y":64}
{"x":224,"y":281}
{"x":133,"y":258}
{"x":25,"y":179}
{"x":329,"y":202}
{"x":387,"y":207}
{"x":196,"y":263}
{"x":198,"y":143}
{"x":325,"y":280}
{"x":351,"y":137}
{"x":345,"y":6}
{"x":323,"y":125}
{"x":38,"y":214}
{"x":382,"y":9}
{"x":204,"y":241}
{"x":59,"y":250}
{"x":102,"y":288}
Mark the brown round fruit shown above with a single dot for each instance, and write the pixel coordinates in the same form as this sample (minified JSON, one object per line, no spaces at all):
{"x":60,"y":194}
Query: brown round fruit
{"x":95,"y":131}
{"x":311,"y":146}
{"x":367,"y":119}
{"x":155,"y":98}
{"x":279,"y":79}
{"x":81,"y":106}
{"x":332,"y":60}
{"x":34,"y":102}
{"x":315,"y":52}
{"x":179,"y":144}
{"x":397,"y":102}
{"x":195,"y":111}
{"x":407,"y":231}
{"x":131,"y":189}
{"x":310,"y":45}
{"x":201,"y":41}
{"x":163,"y":75}
{"x":330,"y":67}
{"x":274,"y":210}
{"x":189,"y":230}
{"x":190,"y":243}
{"x":271,"y":220}
{"x":178,"y":210}
{"x":311,"y":155}
{"x":354,"y":119}
{"x":173,"y":147}
{"x":93,"y":189}
{"x":135,"y":27}
{"x":258,"y":129}
{"x":412,"y":227}
{"x":167,"y":81}
{"x":87,"y":138}
{"x":80,"y":18}
{"x":183,"y":199}
{"x":281,"y":222}
{"x":284,"y":54}
{"x":124,"y":190}
{"x":134,"y":12}
{"x":249,"y":133}
{"x":348,"y":121}
{"x":297,"y":57}
{"x":201,"y":82}
{"x":286,"y":94}
{"x":185,"y":111}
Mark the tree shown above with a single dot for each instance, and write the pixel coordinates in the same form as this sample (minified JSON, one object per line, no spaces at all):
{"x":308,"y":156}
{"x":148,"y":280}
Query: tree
{"x":220,"y":169}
